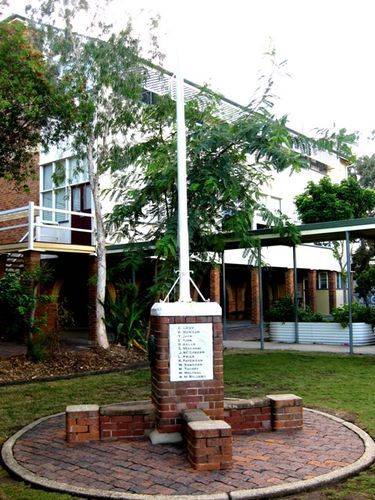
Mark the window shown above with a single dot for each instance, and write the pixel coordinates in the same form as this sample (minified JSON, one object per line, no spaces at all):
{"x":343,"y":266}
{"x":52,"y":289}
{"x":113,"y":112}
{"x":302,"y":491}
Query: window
{"x":318,"y":166}
{"x":86,"y":197}
{"x":47,"y":202}
{"x":57,"y":177}
{"x":323,"y":280}
{"x":274,"y":204}
{"x":61,"y":202}
{"x":340,"y":281}
{"x":324,"y":244}
{"x":47,"y":177}
{"x":148,"y":97}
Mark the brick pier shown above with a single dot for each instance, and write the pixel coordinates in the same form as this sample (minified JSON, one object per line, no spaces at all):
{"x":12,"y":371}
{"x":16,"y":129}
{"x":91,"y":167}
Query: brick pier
{"x":171,"y":397}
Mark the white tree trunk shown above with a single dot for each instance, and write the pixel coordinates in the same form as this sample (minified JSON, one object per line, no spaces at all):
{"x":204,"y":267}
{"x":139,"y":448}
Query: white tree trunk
{"x":101,"y":332}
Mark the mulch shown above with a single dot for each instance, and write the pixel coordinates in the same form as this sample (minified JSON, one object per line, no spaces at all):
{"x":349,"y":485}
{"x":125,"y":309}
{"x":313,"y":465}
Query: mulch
{"x":65,"y":363}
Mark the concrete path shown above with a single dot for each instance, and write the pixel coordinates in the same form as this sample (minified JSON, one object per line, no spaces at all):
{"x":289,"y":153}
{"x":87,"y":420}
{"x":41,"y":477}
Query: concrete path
{"x":278,"y":346}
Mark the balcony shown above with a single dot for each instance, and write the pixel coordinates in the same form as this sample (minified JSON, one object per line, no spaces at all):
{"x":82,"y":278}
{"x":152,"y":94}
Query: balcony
{"x":43,"y":229}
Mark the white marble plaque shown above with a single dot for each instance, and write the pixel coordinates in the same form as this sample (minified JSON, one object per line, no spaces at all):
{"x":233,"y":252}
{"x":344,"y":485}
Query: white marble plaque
{"x":191,"y":352}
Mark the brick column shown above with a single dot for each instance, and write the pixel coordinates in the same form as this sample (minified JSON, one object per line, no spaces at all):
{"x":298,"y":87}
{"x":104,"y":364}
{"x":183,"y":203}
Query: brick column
{"x":215,"y":284}
{"x":311,"y":289}
{"x":254,"y":307}
{"x":332,"y":286}
{"x":93,"y":274}
{"x":289,"y":282}
{"x":31,"y":260}
{"x":170,"y":397}
{"x":3,"y":262}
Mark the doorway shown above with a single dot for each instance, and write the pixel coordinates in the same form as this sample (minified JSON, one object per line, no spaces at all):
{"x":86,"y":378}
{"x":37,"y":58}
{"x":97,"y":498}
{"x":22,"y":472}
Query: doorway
{"x":81,"y":202}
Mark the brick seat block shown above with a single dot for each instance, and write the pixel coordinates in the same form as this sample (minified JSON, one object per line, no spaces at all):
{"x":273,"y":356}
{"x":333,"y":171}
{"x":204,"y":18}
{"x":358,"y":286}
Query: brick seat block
{"x":82,"y":423}
{"x":248,"y":415}
{"x":209,"y":444}
{"x":126,"y":420}
{"x":286,"y":411}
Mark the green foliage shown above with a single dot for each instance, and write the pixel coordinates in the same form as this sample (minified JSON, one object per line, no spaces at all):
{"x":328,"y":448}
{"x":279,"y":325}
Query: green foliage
{"x":283,"y":310}
{"x":37,"y":346}
{"x":364,"y":170}
{"x":34,"y":106}
{"x":307,"y":315}
{"x":18,"y":303}
{"x":326,"y":201}
{"x":360,"y":314}
{"x":125,"y":317}
{"x":228,"y":163}
{"x":365,"y":282}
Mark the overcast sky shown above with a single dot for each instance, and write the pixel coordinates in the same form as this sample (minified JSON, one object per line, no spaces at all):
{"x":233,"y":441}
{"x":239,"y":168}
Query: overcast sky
{"x":329,"y":46}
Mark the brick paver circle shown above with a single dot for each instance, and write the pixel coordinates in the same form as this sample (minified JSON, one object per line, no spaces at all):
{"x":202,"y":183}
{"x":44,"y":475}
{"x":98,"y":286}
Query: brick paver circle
{"x":126,"y":467}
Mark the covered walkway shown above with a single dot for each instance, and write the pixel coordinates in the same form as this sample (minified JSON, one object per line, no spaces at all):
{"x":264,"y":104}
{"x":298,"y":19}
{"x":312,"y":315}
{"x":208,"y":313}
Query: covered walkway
{"x":344,"y":230}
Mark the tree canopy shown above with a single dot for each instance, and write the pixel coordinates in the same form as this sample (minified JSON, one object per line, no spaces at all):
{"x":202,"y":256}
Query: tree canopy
{"x":228,"y":164}
{"x":34,"y":109}
{"x":327,"y":201}
{"x":364,"y":170}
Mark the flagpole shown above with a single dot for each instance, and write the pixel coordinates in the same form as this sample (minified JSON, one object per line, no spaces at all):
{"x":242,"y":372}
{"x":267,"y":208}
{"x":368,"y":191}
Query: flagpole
{"x":183,"y":228}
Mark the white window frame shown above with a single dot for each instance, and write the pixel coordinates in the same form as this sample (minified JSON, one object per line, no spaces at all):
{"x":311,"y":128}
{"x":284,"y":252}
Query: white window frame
{"x":277,"y":200}
{"x":320,"y":273}
{"x":67,"y":182}
{"x":340,"y":282}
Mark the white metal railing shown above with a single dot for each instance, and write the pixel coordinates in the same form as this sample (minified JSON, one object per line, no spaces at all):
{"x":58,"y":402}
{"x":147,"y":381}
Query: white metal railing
{"x":42,"y":230}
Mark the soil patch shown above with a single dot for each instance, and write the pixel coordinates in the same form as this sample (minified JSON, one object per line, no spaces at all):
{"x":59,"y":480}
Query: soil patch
{"x":62,"y":363}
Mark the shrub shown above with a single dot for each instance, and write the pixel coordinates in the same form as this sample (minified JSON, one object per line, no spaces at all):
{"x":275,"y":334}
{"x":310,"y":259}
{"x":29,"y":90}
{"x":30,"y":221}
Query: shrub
{"x":360,"y":314}
{"x":37,"y":346}
{"x":125,"y":317}
{"x":18,"y":303}
{"x":283,"y":310}
{"x":365,"y":282}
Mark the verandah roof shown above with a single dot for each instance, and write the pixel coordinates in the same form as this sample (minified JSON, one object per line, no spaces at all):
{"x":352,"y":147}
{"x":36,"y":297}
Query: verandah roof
{"x":308,"y":233}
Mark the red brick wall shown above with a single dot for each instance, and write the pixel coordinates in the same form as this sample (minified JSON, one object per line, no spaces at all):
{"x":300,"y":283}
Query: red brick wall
{"x":255,"y":312}
{"x":311,"y":289}
{"x":332,"y":285}
{"x":13,"y":196}
{"x":215,"y":285}
{"x":250,"y":417}
{"x":114,"y":427}
{"x":289,"y":282}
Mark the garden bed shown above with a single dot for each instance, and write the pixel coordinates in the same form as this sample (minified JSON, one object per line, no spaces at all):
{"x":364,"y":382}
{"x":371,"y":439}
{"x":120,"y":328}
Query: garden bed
{"x":322,"y":333}
{"x":65,"y":363}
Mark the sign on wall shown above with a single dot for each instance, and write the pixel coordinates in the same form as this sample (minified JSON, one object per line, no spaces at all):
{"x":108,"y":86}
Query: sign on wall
{"x":191,"y":352}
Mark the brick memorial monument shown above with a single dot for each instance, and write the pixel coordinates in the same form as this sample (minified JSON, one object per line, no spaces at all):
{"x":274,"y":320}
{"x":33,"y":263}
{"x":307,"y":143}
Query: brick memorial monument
{"x":187,"y":363}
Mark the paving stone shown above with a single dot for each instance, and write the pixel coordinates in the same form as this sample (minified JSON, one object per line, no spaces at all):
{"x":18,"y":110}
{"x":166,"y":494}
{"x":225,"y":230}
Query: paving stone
{"x":137,"y":466}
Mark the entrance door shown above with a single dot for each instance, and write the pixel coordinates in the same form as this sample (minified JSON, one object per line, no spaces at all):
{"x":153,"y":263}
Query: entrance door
{"x":81,"y":202}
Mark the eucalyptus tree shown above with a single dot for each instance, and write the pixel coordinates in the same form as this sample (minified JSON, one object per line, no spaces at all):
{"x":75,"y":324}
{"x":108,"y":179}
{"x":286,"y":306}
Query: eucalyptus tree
{"x":104,"y":76}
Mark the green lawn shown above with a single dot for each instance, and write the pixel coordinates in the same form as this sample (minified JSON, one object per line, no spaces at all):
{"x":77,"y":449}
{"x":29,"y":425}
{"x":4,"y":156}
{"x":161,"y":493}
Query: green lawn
{"x":340,"y":384}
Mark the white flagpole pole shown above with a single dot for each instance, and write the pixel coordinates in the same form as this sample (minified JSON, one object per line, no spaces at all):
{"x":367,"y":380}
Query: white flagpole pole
{"x":183,"y":229}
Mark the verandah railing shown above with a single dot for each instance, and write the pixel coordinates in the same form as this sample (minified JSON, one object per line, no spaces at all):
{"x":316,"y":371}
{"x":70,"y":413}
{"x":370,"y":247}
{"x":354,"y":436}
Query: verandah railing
{"x":39,"y":229}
